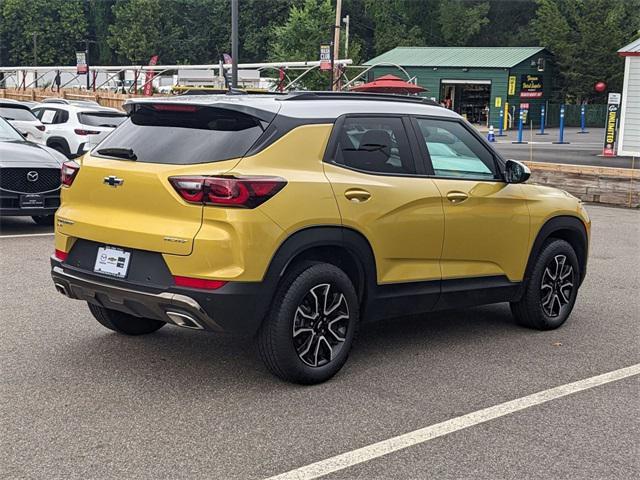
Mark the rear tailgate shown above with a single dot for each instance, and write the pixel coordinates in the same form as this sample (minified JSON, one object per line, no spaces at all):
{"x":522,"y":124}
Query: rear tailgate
{"x":122,"y":196}
{"x":143,"y":212}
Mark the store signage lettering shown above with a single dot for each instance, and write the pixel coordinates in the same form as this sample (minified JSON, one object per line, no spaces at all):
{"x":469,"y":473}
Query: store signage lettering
{"x":531,"y":86}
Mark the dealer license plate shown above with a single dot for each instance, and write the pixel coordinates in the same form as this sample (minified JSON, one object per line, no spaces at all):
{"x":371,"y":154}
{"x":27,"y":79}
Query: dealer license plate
{"x":112,"y":261}
{"x":31,"y":200}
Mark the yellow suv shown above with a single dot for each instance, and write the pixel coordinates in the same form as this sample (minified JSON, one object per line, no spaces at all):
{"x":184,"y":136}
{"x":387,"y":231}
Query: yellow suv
{"x":295,"y":218}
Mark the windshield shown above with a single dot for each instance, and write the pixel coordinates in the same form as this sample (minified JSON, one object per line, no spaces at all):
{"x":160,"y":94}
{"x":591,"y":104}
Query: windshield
{"x":101,"y":119}
{"x":183,"y":135}
{"x":8,"y":133}
{"x":16,"y":113}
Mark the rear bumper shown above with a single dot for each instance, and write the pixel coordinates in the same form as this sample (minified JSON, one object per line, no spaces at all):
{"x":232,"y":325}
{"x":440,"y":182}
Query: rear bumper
{"x":235,"y":308}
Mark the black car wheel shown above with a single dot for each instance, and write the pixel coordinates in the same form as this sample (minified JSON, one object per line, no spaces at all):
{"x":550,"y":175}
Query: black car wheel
{"x":551,"y":289}
{"x":43,"y":219}
{"x":307,"y":336}
{"x":123,"y":322}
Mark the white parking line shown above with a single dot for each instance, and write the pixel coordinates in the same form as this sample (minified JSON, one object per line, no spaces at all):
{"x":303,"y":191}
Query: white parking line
{"x":370,"y":452}
{"x":28,"y":235}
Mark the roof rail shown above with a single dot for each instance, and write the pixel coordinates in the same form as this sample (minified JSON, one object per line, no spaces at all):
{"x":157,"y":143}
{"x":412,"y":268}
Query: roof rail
{"x":381,"y":97}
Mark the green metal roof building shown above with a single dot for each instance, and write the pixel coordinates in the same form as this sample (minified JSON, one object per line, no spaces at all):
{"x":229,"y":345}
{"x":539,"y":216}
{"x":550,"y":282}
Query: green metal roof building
{"x":476,"y":81}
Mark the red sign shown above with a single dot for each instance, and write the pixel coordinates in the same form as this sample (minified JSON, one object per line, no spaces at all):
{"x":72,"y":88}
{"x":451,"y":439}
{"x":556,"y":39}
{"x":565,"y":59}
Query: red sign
{"x":148,"y":80}
{"x":524,"y":106}
{"x":81,"y":63}
{"x":325,"y":57}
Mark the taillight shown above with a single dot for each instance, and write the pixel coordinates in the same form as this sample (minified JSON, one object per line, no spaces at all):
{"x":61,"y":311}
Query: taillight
{"x":191,"y":282}
{"x":68,"y":172}
{"x":40,"y":127}
{"x":60,"y":255}
{"x":245,"y":192}
{"x":82,"y":131}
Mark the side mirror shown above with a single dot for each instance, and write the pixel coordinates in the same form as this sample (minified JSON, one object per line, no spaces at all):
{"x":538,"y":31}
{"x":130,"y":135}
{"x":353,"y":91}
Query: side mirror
{"x":516,"y":172}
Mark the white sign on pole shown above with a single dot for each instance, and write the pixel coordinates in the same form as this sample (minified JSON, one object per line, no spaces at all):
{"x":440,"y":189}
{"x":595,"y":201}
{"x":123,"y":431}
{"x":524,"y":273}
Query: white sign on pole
{"x":614,"y":98}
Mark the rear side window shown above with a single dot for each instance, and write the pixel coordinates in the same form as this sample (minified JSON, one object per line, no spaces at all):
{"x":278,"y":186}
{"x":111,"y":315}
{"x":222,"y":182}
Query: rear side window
{"x":374,"y":144}
{"x":184,"y":134}
{"x":11,"y":113}
{"x":101,"y":119}
{"x":51,"y":116}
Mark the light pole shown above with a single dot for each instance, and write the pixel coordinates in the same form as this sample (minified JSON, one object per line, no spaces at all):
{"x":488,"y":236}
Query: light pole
{"x":35,"y":57}
{"x":234,"y":43}
{"x":345,"y":20}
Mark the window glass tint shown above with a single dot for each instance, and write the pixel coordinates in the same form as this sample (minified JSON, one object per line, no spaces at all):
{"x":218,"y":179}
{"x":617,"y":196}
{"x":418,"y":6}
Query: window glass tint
{"x":374,"y":144}
{"x":184,"y":136}
{"x":454,"y":151}
{"x":7,"y":132}
{"x":50,"y":116}
{"x":101,"y":119}
{"x":12,"y":113}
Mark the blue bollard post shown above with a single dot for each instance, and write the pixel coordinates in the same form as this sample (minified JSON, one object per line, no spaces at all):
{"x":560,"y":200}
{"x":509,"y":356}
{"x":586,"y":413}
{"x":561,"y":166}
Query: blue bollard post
{"x":520,"y":125}
{"x":561,"y":137}
{"x":583,"y":120}
{"x":542,"y":121}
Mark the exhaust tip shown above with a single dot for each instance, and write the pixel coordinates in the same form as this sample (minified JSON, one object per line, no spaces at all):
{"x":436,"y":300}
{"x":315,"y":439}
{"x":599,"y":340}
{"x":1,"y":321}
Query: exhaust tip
{"x":184,"y":320}
{"x":61,"y":288}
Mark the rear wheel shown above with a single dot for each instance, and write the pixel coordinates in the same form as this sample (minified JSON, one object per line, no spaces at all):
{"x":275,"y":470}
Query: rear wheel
{"x":551,"y":289}
{"x":123,"y":322}
{"x":43,"y":219}
{"x":307,"y":336}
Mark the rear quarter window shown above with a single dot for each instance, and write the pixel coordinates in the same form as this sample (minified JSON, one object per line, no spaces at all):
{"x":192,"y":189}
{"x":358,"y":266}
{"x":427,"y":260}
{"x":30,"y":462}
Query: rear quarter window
{"x":187,"y":135}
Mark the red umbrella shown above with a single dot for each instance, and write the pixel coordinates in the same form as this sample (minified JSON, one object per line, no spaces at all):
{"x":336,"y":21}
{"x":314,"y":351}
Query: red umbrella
{"x":389,"y":84}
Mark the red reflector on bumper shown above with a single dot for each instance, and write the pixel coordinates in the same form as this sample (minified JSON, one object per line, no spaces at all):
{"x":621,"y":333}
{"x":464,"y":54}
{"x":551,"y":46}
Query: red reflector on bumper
{"x":198,"y":283}
{"x":60,"y":255}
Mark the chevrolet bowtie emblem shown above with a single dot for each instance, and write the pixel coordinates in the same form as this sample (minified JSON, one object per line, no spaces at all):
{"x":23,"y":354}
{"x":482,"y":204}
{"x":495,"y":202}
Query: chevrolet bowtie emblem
{"x":113,"y":181}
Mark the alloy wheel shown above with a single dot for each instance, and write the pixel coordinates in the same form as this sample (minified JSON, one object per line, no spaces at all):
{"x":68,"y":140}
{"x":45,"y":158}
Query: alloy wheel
{"x":557,"y":286}
{"x":320,"y":325}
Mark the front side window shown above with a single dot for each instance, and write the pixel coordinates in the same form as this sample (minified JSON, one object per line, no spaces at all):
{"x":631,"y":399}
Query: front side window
{"x":374,"y":144}
{"x":454,"y":151}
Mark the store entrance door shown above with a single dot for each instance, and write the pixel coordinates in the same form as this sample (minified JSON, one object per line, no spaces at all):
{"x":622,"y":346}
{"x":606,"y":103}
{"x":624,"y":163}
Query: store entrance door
{"x":469,"y":98}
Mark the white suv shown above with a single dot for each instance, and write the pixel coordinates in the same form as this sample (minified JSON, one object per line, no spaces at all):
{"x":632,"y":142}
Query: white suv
{"x":19,"y":115}
{"x":73,"y":128}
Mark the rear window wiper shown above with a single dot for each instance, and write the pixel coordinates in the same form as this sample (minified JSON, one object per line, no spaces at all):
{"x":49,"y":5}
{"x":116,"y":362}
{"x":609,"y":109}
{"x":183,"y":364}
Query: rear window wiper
{"x":125,"y":153}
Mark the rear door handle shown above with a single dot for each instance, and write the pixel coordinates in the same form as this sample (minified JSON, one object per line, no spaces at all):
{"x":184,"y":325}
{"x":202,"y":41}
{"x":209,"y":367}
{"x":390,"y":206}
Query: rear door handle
{"x":457,"y":197}
{"x":357,"y":195}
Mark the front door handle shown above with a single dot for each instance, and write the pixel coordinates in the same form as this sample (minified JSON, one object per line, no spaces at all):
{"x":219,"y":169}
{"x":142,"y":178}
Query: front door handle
{"x":457,"y":197}
{"x":357,"y":195}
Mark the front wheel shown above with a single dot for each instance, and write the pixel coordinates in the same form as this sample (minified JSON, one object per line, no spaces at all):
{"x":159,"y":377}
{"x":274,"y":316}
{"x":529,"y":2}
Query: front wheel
{"x":551,"y":288}
{"x":123,"y":322}
{"x":307,"y":336}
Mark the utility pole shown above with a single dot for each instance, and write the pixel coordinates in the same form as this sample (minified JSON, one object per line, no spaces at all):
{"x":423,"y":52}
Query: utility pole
{"x":345,"y":20}
{"x":234,"y":43}
{"x":35,"y":57}
{"x":336,"y":45}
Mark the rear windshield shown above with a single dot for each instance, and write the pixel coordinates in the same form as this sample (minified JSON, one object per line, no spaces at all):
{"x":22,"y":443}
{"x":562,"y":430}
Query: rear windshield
{"x":11,"y":113}
{"x":189,"y":135}
{"x":101,"y":119}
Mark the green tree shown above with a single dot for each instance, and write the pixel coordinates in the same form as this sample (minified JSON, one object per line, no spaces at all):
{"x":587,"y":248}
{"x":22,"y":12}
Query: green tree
{"x":142,"y":28}
{"x":584,"y":36}
{"x":59,"y":26}
{"x":461,"y":20}
{"x":300,"y":36}
{"x":392,"y":24}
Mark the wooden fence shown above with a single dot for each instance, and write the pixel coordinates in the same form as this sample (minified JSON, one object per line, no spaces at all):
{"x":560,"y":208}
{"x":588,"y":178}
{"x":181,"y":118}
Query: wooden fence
{"x":107,"y":99}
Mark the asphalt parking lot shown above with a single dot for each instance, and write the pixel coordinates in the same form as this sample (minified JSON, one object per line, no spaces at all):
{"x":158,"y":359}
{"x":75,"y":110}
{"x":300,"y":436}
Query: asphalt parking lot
{"x":78,"y":401}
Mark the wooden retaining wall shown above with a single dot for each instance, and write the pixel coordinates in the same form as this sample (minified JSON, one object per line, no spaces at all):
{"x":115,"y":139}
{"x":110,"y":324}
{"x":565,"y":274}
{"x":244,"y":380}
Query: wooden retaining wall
{"x":606,"y":185}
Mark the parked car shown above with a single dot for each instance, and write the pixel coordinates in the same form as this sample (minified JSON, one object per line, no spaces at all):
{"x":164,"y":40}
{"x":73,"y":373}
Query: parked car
{"x":19,"y":115}
{"x":298,"y":218}
{"x":75,"y":127}
{"x":29,"y":177}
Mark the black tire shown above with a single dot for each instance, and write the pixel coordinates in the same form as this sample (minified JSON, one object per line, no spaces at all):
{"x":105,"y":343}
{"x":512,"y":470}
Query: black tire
{"x":548,"y":299}
{"x":43,"y":219}
{"x":123,"y":322}
{"x":290,"y":327}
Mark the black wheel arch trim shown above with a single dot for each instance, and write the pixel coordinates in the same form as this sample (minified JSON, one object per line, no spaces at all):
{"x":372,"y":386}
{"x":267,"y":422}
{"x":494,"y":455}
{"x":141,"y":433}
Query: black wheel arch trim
{"x":61,"y":141}
{"x":556,"y":227}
